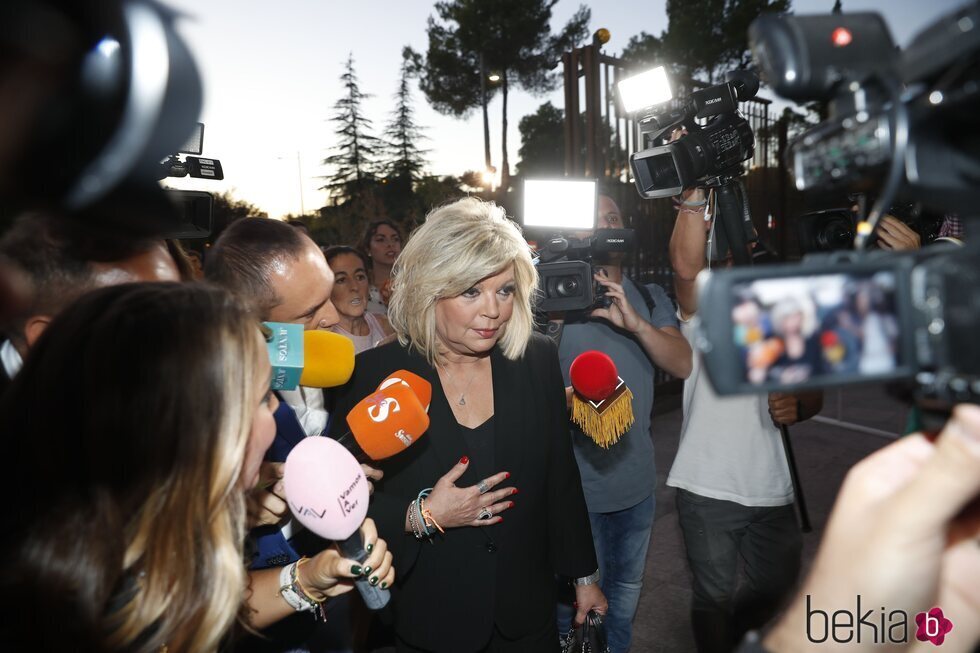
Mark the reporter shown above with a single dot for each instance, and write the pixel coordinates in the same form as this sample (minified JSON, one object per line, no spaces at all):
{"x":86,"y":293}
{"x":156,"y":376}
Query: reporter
{"x":904,"y":535}
{"x":132,"y":527}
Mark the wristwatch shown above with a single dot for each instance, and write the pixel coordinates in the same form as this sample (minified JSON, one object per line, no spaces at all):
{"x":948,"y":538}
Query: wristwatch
{"x":591,"y":579}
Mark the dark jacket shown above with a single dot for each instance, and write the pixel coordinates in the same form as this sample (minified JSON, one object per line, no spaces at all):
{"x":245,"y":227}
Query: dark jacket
{"x":448,"y":595}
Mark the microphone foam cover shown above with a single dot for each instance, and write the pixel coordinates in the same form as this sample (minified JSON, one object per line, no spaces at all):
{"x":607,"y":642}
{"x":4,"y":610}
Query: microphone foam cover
{"x":593,"y":375}
{"x":388,"y":421}
{"x":421,"y":387}
{"x":328,"y":359}
{"x":325,"y":488}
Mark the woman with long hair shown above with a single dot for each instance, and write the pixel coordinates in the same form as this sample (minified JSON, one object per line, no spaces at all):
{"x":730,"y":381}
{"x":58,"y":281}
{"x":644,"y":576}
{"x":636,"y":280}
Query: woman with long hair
{"x":138,"y":423}
{"x":381,"y":243}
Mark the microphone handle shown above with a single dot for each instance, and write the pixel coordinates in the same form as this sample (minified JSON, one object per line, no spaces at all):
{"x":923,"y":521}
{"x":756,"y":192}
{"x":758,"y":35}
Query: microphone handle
{"x":374,"y":597}
{"x":350,"y":443}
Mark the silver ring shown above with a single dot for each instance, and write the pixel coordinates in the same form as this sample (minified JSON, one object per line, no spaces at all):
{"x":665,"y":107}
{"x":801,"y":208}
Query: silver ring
{"x":485,"y":513}
{"x":483,"y":487}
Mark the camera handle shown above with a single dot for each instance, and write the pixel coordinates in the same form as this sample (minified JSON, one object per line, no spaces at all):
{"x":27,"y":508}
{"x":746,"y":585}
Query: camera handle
{"x":732,"y":217}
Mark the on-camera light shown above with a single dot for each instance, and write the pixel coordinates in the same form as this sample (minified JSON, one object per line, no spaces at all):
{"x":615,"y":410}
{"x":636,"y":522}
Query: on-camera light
{"x":645,"y":90}
{"x":563,"y":204}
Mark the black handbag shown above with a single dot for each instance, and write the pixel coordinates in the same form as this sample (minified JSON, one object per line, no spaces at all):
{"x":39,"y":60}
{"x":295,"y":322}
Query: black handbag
{"x":590,"y":637}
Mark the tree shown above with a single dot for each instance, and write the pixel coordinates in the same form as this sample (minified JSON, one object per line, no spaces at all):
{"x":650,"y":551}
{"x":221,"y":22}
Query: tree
{"x":406,"y":158}
{"x":542,"y":142}
{"x":703,"y":37}
{"x":355,"y":161}
{"x":225,"y":209}
{"x":512,"y":38}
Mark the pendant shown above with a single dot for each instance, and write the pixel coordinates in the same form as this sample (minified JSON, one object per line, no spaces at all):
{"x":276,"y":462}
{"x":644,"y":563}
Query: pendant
{"x":462,"y":400}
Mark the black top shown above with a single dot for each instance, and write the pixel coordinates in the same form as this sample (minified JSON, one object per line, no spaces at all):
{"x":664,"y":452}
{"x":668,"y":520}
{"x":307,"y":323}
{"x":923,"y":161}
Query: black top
{"x":479,"y":444}
{"x":449,"y":595}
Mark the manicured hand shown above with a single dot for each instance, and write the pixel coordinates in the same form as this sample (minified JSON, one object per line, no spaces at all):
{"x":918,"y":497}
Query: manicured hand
{"x":454,"y":506}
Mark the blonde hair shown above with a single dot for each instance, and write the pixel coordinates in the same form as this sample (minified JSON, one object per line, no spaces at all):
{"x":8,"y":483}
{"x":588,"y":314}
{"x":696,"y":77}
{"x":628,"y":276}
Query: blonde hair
{"x":140,"y":542}
{"x":458,"y":245}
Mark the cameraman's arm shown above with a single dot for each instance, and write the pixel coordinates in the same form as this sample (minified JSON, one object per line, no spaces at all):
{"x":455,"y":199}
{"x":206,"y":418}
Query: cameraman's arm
{"x":687,"y":245}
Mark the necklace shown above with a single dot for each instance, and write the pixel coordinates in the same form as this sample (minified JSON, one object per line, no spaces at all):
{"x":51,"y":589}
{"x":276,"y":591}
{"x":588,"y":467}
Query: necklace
{"x":462,"y":395}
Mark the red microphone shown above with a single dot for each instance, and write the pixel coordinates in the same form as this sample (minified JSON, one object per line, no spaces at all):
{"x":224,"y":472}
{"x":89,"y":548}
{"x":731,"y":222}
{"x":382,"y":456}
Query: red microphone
{"x":602,"y":405}
{"x":385,"y":423}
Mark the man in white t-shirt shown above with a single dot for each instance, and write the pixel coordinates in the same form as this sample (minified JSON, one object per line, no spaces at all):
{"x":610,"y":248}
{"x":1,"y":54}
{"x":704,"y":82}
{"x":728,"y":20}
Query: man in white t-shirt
{"x":734,"y":493}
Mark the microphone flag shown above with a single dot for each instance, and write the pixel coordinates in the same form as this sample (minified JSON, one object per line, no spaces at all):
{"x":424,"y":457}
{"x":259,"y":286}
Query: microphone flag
{"x":602,"y":404}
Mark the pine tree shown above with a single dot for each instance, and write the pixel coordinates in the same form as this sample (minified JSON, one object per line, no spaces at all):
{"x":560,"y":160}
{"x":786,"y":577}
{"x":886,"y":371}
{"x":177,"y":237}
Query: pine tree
{"x":355,"y":161}
{"x":406,"y":158}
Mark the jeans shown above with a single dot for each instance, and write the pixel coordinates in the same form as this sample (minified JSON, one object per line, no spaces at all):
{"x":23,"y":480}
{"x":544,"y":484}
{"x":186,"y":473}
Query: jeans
{"x":621,"y":541}
{"x":717,"y":534}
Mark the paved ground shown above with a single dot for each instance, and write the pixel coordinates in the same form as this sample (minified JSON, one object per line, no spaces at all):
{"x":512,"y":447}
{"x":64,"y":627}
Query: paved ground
{"x":824,"y":453}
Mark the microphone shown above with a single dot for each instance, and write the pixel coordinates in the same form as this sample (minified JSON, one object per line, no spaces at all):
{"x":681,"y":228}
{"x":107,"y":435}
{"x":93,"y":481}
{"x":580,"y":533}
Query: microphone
{"x":328,"y":493}
{"x":421,"y":387}
{"x":317,"y":359}
{"x":602,"y":404}
{"x":386,"y":422}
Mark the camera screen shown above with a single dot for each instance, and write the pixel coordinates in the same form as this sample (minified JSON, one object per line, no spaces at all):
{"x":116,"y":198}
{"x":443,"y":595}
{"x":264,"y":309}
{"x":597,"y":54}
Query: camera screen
{"x":799,"y":329}
{"x":561,"y":205}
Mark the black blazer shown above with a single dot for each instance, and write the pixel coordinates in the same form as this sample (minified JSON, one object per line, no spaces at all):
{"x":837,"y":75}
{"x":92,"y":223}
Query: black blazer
{"x":448,"y":595}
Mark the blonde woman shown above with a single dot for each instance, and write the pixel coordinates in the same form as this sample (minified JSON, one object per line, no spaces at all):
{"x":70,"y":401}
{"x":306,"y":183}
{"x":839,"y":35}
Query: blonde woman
{"x":127,"y":532}
{"x":501,"y":500}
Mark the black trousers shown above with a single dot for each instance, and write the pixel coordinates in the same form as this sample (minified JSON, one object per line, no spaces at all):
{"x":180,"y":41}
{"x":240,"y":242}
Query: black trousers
{"x":718,"y":536}
{"x":543,"y":641}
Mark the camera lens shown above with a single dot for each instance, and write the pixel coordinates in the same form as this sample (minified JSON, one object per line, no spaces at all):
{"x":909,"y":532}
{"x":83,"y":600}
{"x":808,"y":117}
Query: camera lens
{"x":567,"y":287}
{"x":836,"y":234}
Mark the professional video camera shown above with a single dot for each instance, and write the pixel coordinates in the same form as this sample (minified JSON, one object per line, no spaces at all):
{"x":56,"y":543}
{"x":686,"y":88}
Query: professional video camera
{"x":194,"y":207}
{"x":830,"y":230}
{"x":709,"y":154}
{"x":903,"y":119}
{"x":564,"y":211}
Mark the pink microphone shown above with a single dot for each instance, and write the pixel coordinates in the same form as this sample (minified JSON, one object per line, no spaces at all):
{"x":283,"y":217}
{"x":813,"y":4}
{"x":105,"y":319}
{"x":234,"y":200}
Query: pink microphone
{"x":328,"y":493}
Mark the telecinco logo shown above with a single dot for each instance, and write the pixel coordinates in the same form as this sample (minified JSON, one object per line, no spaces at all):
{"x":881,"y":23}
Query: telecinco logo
{"x":875,"y":626}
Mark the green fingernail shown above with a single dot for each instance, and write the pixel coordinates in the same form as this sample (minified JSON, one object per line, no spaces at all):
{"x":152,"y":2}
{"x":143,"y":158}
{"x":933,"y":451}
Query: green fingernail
{"x":374,"y":580}
{"x":384,"y":585}
{"x":367,"y":570}
{"x":370,"y":548}
{"x":355,"y":569}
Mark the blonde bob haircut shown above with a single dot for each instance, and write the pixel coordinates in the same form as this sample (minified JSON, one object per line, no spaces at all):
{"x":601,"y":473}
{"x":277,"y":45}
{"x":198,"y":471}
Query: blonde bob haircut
{"x":458,"y":245}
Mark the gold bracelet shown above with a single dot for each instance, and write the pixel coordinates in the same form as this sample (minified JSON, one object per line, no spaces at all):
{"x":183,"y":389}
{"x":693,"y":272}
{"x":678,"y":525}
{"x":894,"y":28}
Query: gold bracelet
{"x":299,"y":583}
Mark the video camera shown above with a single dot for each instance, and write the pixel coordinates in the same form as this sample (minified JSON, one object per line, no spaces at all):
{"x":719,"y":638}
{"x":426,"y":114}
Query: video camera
{"x":709,"y":154}
{"x":706,"y":152}
{"x":194,"y":208}
{"x":901,"y":119}
{"x":565,"y":212}
{"x":831,"y":230}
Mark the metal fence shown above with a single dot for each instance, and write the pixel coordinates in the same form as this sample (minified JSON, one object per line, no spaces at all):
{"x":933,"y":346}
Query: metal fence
{"x":600,"y":136}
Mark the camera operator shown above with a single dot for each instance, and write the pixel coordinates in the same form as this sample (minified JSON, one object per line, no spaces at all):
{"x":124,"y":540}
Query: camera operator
{"x":638,"y":331}
{"x":734,"y":492}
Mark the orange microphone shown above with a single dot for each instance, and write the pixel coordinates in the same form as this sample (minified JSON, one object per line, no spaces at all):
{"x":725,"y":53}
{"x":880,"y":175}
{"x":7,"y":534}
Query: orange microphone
{"x":385,"y":423}
{"x":421,"y":387}
{"x":602,"y":405}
